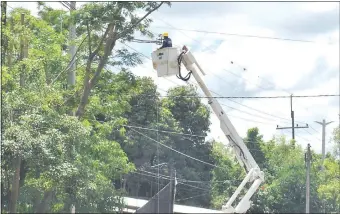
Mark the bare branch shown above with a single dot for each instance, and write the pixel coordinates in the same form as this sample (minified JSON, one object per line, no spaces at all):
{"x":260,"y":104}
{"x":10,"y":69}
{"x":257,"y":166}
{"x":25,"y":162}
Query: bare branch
{"x":95,"y":52}
{"x":139,"y":21}
{"x":89,"y":35}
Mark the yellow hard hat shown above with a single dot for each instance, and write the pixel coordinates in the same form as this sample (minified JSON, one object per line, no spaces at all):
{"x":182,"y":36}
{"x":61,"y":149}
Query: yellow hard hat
{"x":165,"y":34}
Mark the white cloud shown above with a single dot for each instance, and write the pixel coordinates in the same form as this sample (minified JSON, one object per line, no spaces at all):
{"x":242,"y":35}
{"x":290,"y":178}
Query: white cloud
{"x":318,"y":7}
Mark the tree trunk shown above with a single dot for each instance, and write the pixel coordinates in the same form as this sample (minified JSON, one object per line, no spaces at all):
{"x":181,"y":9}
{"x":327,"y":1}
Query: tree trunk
{"x":113,"y":36}
{"x":17,"y":159}
{"x":44,"y":203}
{"x":90,"y":83}
{"x":15,"y":186}
{"x":10,"y":46}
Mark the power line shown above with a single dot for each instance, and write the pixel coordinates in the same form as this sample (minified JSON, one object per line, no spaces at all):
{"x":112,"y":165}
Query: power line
{"x":256,"y":97}
{"x":314,"y":129}
{"x":189,"y":185}
{"x":197,"y":85}
{"x":312,"y":134}
{"x":213,"y":91}
{"x":266,"y":118}
{"x":250,"y":120}
{"x":239,"y":35}
{"x":232,"y":62}
{"x":223,"y":69}
{"x":229,"y":98}
{"x":178,"y":133}
{"x":264,"y":89}
{"x":185,"y":180}
{"x":183,"y":199}
{"x":170,"y":132}
{"x":180,"y":181}
{"x":159,"y":143}
{"x":164,"y":178}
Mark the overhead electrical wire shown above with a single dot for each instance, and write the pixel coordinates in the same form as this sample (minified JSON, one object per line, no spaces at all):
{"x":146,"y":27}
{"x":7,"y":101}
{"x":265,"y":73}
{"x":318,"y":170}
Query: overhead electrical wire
{"x":185,"y":180}
{"x":170,"y":132}
{"x":188,"y":156}
{"x":164,"y":178}
{"x":235,"y":34}
{"x":177,"y":133}
{"x":209,"y":90}
{"x":214,"y":51}
{"x":257,"y":97}
{"x":183,"y":199}
{"x":246,"y":97}
{"x":65,"y":5}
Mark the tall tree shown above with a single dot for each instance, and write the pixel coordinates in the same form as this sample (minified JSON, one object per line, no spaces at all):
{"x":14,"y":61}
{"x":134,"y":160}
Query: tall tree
{"x":104,"y":24}
{"x":254,"y":141}
{"x":64,"y":160}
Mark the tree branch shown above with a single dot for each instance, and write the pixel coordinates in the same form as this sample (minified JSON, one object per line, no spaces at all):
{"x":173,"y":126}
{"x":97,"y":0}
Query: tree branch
{"x":89,"y":35}
{"x":70,"y":63}
{"x":110,"y":43}
{"x":95,"y":52}
{"x":139,"y":21}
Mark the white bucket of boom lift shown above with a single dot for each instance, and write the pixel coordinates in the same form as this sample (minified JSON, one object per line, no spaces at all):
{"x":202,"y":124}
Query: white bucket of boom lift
{"x":165,"y":61}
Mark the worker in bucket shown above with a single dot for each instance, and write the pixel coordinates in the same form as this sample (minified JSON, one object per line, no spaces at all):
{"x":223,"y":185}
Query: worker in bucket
{"x":167,"y":43}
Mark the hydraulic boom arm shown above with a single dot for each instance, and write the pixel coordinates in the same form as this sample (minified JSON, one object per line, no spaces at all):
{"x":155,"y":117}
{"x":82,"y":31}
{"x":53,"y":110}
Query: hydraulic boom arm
{"x":166,"y":58}
{"x":242,"y":153}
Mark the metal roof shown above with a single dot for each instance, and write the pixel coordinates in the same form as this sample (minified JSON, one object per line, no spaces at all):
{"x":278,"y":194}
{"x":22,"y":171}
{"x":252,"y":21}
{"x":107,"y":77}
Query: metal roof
{"x":134,"y":203}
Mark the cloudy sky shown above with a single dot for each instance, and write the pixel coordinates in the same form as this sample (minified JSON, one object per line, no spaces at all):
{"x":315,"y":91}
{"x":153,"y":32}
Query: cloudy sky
{"x":273,"y":67}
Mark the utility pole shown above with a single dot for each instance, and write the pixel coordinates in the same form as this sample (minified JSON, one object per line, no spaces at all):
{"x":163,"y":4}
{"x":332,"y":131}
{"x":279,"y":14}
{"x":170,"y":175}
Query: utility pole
{"x":73,"y":209}
{"x":307,"y":159}
{"x":324,"y":124}
{"x":3,"y":25}
{"x":72,"y":30}
{"x":292,"y":116}
{"x":17,"y":160}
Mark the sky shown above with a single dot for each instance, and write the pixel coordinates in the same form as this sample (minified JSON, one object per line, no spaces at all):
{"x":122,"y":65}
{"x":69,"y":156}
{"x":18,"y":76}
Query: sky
{"x":273,"y":67}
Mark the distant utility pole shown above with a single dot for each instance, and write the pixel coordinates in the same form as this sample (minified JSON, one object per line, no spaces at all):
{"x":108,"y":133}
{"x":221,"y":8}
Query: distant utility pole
{"x":73,"y":209}
{"x":292,"y":116}
{"x":324,"y":124}
{"x":3,"y":25}
{"x":307,"y":159}
{"x":72,"y":70}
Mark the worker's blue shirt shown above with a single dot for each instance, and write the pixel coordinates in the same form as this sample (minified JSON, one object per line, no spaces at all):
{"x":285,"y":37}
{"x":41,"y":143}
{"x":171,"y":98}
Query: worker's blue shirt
{"x":167,"y":43}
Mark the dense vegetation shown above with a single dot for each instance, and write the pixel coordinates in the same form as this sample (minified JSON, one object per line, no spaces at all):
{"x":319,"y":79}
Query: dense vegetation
{"x":65,"y":144}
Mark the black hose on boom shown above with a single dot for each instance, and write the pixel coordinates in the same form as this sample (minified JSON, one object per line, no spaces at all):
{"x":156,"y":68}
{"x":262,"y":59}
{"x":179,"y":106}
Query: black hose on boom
{"x":179,"y":76}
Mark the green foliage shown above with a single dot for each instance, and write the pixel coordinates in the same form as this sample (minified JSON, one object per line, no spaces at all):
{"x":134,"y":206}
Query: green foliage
{"x":254,"y":142}
{"x":63,"y":160}
{"x":226,"y":177}
{"x":94,"y":159}
{"x":329,"y":188}
{"x":336,"y":143}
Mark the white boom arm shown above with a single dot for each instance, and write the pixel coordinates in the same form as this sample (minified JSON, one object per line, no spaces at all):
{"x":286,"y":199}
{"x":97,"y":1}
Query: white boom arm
{"x":164,"y":61}
{"x":242,"y":153}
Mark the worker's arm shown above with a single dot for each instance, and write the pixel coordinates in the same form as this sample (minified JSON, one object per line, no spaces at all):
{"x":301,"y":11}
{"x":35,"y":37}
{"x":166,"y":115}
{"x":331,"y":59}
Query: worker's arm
{"x":164,"y":44}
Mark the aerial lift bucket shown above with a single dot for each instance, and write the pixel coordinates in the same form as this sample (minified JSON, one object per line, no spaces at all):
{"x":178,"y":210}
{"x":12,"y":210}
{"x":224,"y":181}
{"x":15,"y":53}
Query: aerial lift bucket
{"x":165,"y":61}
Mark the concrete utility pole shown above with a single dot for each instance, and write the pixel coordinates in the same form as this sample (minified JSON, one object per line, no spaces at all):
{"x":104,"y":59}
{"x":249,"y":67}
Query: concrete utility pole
{"x":72,"y":71}
{"x":307,"y":159}
{"x":17,"y":160}
{"x":292,"y":116}
{"x":3,"y":39}
{"x":324,"y":124}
